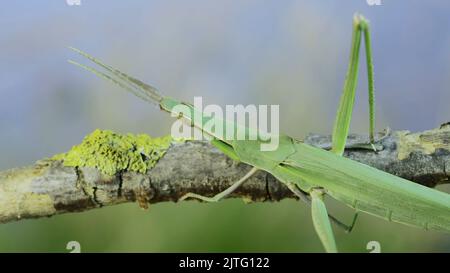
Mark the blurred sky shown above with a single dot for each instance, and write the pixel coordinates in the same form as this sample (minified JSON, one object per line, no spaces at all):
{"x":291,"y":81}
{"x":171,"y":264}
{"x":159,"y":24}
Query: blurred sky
{"x":291,"y":53}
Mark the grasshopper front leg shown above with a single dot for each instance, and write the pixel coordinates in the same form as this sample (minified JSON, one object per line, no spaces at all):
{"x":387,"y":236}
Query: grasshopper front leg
{"x":227,"y":150}
{"x":222,"y":194}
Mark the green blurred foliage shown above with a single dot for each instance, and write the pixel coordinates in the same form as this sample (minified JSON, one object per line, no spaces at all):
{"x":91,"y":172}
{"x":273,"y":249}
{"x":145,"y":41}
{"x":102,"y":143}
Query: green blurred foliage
{"x":228,"y":226}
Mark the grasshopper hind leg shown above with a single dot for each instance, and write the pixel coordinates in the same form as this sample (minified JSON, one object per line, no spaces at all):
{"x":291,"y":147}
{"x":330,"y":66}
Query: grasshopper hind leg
{"x":376,"y":145}
{"x":361,"y":31}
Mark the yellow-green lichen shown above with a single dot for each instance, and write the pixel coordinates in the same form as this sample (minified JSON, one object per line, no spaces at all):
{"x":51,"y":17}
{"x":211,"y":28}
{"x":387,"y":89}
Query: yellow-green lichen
{"x":110,"y":152}
{"x":426,"y":142}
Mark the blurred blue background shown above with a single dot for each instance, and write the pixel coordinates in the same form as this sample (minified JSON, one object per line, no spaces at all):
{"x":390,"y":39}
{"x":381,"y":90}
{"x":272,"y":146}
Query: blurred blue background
{"x":291,"y":53}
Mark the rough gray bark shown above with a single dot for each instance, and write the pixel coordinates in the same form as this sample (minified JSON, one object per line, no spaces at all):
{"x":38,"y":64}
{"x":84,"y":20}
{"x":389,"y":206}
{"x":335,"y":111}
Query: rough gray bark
{"x":48,"y":188}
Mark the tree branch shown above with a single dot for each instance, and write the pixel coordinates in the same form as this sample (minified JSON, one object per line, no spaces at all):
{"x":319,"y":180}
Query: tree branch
{"x":48,"y":188}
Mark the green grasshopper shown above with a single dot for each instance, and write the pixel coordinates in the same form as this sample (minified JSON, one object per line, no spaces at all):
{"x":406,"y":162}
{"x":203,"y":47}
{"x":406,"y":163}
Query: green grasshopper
{"x":310,"y":172}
